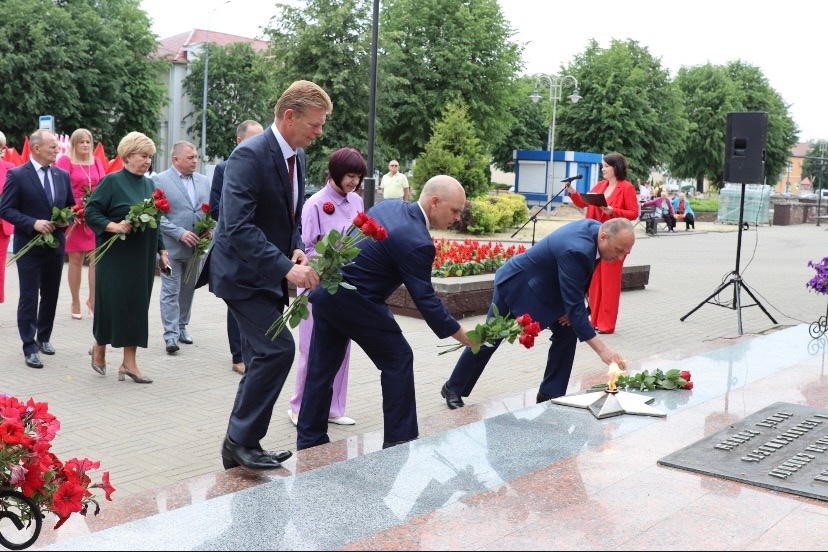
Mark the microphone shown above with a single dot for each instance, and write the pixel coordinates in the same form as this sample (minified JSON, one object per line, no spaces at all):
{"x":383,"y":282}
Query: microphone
{"x":571,"y":178}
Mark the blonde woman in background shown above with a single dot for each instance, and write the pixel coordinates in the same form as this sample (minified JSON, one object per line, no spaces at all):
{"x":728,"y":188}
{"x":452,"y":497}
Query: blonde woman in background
{"x":85,"y":171}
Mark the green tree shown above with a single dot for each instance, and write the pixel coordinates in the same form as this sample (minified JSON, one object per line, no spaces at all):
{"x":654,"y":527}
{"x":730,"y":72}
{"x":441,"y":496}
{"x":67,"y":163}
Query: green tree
{"x":454,"y":149}
{"x":239,"y":87}
{"x":629,"y":104}
{"x":709,"y":94}
{"x":87,"y":62}
{"x":328,"y":42}
{"x":438,"y":51}
{"x":529,"y":125}
{"x":813,"y":165}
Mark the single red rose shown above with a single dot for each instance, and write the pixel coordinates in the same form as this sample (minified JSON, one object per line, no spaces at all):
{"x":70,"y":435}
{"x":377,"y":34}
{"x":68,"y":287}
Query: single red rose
{"x":328,"y":207}
{"x":380,"y":234}
{"x":533,"y":329}
{"x":685,"y":375}
{"x":360,"y":219}
{"x":158,"y":194}
{"x":163,"y":205}
{"x":527,"y":340}
{"x":689,"y":385}
{"x":370,"y":227}
{"x":523,"y":320}
{"x":205,"y":207}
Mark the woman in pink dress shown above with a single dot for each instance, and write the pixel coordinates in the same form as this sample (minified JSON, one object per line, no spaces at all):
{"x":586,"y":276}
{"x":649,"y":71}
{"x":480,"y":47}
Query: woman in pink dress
{"x":331,"y":208}
{"x":85,"y":171}
{"x":6,"y":229}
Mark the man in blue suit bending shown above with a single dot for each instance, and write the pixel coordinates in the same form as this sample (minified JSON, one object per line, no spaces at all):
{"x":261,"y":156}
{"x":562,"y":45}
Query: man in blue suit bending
{"x":550,"y":282}
{"x":362,"y":315}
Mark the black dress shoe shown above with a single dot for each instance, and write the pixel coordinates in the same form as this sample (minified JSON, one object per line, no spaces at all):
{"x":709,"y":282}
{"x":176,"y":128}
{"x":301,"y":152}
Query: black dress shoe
{"x":279,"y":455}
{"x":389,"y":444}
{"x":453,"y":400}
{"x":46,"y":348}
{"x":543,"y":398}
{"x":185,"y":337}
{"x":172,"y":346}
{"x":33,"y":361}
{"x":233,"y":454}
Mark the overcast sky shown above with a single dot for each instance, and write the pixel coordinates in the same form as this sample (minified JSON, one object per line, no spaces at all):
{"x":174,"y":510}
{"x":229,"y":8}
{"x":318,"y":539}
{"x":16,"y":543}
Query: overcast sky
{"x":765,"y":35}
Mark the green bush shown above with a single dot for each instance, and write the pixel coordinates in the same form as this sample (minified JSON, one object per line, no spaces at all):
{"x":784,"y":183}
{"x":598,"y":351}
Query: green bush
{"x":705,"y":205}
{"x":492,"y":214}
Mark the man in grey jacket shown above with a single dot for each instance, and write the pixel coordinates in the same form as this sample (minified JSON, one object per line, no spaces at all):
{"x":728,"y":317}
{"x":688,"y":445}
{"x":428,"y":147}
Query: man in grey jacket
{"x":187,"y":192}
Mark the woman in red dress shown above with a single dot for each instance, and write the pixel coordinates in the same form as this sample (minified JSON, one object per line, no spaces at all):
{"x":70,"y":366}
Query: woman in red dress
{"x":605,"y":289}
{"x":85,"y":171}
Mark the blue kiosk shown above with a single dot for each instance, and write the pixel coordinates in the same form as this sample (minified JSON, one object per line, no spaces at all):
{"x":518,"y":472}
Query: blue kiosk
{"x":534,"y":181}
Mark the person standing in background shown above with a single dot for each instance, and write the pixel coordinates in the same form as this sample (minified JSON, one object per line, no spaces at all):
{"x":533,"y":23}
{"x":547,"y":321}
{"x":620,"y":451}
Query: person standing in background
{"x":6,"y":228}
{"x":245,"y":130}
{"x":394,"y":184}
{"x":331,"y":208}
{"x":186,"y":191}
{"x":605,"y":289}
{"x":85,"y":171}
{"x":30,"y":193}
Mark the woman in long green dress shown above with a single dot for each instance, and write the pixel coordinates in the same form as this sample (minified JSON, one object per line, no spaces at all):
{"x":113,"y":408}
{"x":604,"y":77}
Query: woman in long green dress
{"x":126,"y":273}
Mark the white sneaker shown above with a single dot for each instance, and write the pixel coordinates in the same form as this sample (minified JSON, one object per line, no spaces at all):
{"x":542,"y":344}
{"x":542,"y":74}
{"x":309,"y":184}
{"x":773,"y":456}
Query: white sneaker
{"x":341,"y":420}
{"x":294,"y":416}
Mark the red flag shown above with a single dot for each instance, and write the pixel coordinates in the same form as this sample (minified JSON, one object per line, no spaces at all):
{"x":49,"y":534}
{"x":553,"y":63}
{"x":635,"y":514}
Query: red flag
{"x":100,"y":154}
{"x":26,"y":152}
{"x":13,"y":157}
{"x":115,"y":165}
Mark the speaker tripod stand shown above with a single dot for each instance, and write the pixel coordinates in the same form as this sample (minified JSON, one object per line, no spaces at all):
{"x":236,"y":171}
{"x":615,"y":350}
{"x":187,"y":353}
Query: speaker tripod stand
{"x":735,"y":280}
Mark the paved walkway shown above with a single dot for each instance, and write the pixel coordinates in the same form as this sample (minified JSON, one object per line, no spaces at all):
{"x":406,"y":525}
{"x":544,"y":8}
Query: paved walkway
{"x":150,"y":436}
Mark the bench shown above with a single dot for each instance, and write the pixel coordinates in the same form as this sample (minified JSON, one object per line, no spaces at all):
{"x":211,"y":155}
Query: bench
{"x":647,"y":216}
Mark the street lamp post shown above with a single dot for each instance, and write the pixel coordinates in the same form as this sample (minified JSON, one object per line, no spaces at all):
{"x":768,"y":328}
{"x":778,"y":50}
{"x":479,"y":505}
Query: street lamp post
{"x":556,"y":85}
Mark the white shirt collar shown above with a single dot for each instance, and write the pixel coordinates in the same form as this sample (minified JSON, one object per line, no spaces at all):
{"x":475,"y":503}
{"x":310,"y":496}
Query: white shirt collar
{"x":36,"y":165}
{"x":287,"y":151}
{"x":425,"y":216}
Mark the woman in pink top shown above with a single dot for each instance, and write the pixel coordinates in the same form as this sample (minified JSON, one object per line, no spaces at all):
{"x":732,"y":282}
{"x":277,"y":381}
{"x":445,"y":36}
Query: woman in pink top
{"x":6,"y":228}
{"x":331,"y":208}
{"x":85,"y":171}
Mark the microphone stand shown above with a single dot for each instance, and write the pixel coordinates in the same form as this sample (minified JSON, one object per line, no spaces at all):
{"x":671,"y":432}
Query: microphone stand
{"x":534,"y":218}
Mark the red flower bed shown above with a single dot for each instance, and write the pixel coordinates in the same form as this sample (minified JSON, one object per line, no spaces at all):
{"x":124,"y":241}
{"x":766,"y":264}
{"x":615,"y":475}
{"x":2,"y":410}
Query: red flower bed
{"x":470,"y":257}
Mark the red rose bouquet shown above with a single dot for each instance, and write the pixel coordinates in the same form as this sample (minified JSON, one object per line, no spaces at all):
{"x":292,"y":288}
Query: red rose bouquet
{"x":32,"y":478}
{"x":335,"y":250}
{"x":61,"y":218}
{"x":498,"y":327}
{"x":141,"y":216}
{"x":203,"y":229}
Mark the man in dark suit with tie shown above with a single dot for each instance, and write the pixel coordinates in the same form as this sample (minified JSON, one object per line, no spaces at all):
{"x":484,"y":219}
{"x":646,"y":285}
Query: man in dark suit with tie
{"x":362,"y":315}
{"x":257,"y":249}
{"x":549,"y":282}
{"x":245,"y":130}
{"x":30,"y":193}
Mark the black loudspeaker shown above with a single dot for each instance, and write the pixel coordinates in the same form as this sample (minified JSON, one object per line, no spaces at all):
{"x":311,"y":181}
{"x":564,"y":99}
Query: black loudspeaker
{"x":745,"y":143}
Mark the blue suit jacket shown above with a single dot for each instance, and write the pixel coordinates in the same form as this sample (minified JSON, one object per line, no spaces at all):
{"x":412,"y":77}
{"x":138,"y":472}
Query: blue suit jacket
{"x":215,"y":189}
{"x":551,"y":278}
{"x":255,"y":237}
{"x":24,"y":202}
{"x":405,"y":257}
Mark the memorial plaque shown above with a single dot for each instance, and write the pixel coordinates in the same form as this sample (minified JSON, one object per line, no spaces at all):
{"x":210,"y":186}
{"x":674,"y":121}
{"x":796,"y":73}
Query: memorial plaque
{"x":783,"y":447}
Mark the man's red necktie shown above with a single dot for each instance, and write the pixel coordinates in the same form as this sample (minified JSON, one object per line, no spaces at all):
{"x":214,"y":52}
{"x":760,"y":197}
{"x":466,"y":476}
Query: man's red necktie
{"x":291,"y":164}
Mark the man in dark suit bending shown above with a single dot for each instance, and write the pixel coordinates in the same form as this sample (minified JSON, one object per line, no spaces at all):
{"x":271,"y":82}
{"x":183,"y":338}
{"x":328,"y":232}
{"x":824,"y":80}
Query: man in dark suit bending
{"x":257,"y":249}
{"x":30,"y":193}
{"x":362,"y":315}
{"x":549,"y":282}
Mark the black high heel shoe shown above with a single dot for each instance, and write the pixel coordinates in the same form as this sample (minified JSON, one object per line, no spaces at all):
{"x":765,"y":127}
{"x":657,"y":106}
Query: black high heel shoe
{"x":99,"y":368}
{"x":124,"y":371}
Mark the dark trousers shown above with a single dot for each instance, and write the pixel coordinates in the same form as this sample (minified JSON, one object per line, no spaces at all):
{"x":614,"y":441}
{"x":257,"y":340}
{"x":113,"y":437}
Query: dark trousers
{"x":340,"y":317}
{"x":268,"y":364}
{"x":689,"y":221}
{"x":39,"y":274}
{"x":234,"y":338}
{"x":559,"y":360}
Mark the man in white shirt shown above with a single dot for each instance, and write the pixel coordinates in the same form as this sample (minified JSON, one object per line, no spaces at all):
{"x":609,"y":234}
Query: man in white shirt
{"x":394,"y":184}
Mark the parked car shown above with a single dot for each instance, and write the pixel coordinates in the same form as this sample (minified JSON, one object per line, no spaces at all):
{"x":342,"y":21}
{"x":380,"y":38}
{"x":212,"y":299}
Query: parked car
{"x":311,"y":189}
